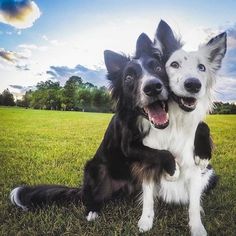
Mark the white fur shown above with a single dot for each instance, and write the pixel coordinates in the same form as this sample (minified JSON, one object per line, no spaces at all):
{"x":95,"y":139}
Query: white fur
{"x":15,"y":199}
{"x":146,"y":220}
{"x":202,"y":163}
{"x":179,"y":136}
{"x":92,"y":215}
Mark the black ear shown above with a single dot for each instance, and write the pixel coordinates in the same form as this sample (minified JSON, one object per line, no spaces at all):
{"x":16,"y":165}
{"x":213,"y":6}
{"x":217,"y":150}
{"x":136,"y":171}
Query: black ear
{"x":114,"y":62}
{"x":216,"y":49}
{"x":143,"y":44}
{"x":167,"y":39}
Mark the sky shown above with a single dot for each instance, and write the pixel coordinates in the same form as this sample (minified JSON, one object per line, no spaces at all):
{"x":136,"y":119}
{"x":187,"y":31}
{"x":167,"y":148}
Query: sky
{"x":55,"y":39}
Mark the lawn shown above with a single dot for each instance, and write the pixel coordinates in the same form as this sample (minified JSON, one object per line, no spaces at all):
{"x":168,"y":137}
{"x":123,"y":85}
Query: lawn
{"x":52,"y":147}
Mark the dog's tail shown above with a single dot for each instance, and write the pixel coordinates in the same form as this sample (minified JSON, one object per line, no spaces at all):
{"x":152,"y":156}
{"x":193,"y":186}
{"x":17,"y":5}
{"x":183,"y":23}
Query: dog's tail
{"x":27,"y":197}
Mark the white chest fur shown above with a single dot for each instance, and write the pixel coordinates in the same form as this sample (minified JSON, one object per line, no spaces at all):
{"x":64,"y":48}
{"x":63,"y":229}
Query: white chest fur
{"x":178,"y":138}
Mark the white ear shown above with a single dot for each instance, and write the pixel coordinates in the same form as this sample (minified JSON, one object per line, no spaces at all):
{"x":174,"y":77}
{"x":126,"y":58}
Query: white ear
{"x":215,"y":50}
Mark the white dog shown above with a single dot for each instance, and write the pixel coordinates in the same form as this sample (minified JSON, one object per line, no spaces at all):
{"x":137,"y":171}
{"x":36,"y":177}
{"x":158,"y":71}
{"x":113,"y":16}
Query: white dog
{"x":192,"y":77}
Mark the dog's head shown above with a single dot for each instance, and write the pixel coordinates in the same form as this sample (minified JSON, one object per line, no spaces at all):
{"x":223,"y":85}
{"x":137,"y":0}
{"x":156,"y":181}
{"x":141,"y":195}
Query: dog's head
{"x":140,"y":83}
{"x":191,"y":74}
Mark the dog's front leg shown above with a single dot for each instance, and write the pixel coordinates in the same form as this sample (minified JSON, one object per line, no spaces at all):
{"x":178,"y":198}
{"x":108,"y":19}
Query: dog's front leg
{"x":146,"y":220}
{"x":195,"y":191}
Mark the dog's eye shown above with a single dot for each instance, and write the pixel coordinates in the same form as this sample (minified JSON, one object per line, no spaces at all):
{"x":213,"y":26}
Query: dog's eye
{"x":175,"y":64}
{"x":201,"y":67}
{"x":157,"y":55}
{"x":129,"y":78}
{"x":157,"y":69}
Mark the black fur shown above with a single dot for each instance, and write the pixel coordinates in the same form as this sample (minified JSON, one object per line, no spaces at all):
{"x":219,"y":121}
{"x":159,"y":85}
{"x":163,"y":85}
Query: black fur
{"x":203,"y":143}
{"x":111,"y":169}
{"x":167,"y":39}
{"x":121,"y":159}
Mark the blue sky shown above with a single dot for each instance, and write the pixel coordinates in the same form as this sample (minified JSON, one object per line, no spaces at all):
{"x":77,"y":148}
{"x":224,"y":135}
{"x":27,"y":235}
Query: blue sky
{"x":60,"y":38}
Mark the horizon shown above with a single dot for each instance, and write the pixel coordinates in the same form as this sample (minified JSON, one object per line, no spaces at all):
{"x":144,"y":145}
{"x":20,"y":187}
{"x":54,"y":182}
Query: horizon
{"x":43,"y":40}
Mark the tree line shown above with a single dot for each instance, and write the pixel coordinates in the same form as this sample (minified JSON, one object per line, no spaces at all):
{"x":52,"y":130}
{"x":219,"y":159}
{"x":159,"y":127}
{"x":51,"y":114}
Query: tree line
{"x":224,"y":108}
{"x":77,"y":95}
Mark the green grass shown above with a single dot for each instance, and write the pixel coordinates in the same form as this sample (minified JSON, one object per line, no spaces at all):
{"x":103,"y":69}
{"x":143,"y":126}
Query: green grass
{"x":52,"y":147}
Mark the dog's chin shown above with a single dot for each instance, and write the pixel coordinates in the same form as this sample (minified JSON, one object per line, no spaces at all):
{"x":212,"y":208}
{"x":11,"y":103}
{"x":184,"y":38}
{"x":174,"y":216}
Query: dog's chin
{"x":157,"y":114}
{"x":187,"y":104}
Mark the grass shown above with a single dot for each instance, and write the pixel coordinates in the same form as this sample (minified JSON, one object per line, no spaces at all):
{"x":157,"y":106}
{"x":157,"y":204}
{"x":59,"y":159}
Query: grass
{"x":52,"y":147}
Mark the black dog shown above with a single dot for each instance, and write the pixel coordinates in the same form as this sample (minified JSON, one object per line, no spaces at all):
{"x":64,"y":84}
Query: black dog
{"x":139,"y":87}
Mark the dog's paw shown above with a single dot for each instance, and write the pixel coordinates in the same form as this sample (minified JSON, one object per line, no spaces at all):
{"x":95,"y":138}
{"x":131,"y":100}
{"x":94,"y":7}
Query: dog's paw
{"x":202,"y":163}
{"x":92,"y":215}
{"x":145,"y":224}
{"x":175,"y":176}
{"x":198,"y":230}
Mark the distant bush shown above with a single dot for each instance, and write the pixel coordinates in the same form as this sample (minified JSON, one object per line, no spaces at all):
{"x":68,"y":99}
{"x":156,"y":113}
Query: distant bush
{"x":224,"y":108}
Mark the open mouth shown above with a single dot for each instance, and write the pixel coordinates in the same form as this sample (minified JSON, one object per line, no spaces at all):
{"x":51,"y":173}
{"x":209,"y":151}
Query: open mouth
{"x":157,"y":114}
{"x":185,"y":103}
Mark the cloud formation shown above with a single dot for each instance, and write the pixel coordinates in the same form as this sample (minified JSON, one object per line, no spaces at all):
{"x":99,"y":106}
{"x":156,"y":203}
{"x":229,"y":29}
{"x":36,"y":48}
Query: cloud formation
{"x":62,"y":73}
{"x":226,"y":89}
{"x":19,"y":13}
{"x":13,"y":57}
{"x":8,"y":55}
{"x":18,"y":90}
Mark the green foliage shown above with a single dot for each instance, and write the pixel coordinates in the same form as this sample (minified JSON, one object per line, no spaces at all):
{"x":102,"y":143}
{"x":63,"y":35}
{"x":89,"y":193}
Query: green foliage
{"x":52,"y":147}
{"x":6,"y":98}
{"x":224,"y":108}
{"x":75,"y":95}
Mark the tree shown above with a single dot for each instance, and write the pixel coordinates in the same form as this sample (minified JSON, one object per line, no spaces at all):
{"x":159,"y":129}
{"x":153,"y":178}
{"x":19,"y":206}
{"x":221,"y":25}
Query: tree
{"x":47,"y":96}
{"x":224,"y":108}
{"x":7,"y":98}
{"x":71,"y":96}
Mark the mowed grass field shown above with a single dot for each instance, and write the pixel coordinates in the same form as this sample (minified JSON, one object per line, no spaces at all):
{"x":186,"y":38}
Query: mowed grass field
{"x":52,"y":147}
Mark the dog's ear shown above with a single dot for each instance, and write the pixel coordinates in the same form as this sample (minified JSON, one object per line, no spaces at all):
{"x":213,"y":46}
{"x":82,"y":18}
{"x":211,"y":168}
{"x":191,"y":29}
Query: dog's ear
{"x":215,"y":50}
{"x":165,"y":36}
{"x":114,"y":62}
{"x":143,"y":44}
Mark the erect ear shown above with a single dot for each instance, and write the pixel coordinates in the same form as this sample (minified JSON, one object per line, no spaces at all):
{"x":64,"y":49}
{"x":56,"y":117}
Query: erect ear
{"x":165,"y":36}
{"x":216,"y":49}
{"x":143,"y":44}
{"x":114,"y":62}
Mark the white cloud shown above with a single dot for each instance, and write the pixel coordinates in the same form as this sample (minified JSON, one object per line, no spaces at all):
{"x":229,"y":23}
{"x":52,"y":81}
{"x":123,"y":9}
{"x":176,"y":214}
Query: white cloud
{"x":21,"y":13}
{"x":226,"y":89}
{"x":33,"y":47}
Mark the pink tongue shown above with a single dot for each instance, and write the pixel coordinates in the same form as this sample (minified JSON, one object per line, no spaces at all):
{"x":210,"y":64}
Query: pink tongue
{"x":156,"y":114}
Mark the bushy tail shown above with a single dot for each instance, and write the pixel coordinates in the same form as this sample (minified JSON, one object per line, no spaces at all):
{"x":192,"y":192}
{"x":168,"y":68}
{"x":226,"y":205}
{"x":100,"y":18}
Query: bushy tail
{"x":29,"y":196}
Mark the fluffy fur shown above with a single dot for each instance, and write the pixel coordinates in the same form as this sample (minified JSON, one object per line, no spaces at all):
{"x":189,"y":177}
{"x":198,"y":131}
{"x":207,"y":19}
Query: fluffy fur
{"x":122,"y":160}
{"x":139,"y":87}
{"x":179,"y":136}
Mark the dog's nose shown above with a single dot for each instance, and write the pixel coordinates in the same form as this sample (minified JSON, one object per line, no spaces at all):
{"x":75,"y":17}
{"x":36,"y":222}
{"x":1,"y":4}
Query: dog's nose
{"x":192,"y":85}
{"x":153,"y":87}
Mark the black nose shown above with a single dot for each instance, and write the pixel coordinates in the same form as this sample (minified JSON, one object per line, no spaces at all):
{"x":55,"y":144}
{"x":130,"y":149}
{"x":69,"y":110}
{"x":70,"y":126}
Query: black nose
{"x":192,"y":85}
{"x":153,"y":87}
